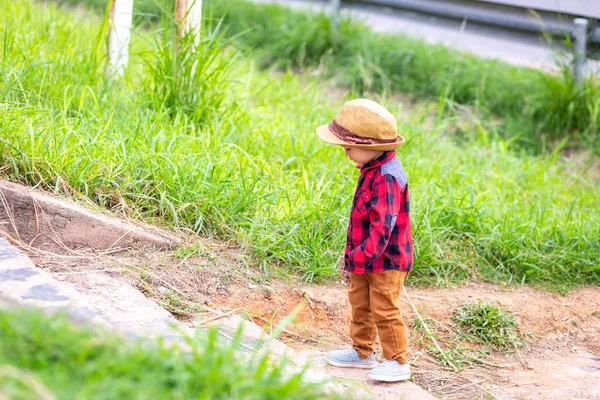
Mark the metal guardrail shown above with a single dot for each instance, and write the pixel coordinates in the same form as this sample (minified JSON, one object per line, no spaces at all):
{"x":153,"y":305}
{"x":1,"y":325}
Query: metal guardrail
{"x":485,"y":13}
{"x":450,"y":10}
{"x":577,"y":28}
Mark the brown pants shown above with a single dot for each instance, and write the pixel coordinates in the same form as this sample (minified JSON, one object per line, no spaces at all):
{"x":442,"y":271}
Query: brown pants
{"x":374,"y":301}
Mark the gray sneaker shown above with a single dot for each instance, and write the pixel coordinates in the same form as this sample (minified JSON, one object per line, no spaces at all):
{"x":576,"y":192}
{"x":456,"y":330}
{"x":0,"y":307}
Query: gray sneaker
{"x":390,"y":371}
{"x":349,"y":359}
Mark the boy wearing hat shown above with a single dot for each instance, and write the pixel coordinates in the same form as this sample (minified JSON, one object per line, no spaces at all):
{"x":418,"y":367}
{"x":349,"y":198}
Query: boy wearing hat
{"x":379,"y":250}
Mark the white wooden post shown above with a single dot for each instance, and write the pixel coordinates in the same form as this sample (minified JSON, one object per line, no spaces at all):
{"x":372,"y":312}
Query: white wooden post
{"x":188,"y":14}
{"x":121,"y":13}
{"x":580,"y":33}
{"x":335,"y":11}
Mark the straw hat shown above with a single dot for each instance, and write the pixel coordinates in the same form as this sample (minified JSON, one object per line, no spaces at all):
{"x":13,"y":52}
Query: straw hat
{"x":364,"y":124}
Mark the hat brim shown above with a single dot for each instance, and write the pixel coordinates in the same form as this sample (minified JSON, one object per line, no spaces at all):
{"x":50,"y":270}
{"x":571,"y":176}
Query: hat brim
{"x":325,"y":134}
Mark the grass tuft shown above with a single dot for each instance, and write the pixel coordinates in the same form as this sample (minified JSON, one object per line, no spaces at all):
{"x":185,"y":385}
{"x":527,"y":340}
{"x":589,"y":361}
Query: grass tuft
{"x":489,"y":324}
{"x":189,"y":78}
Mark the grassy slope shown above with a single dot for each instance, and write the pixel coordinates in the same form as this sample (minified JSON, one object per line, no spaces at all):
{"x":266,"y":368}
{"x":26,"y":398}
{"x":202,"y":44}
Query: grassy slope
{"x":51,"y":355}
{"x":251,"y":169}
{"x":536,"y":108}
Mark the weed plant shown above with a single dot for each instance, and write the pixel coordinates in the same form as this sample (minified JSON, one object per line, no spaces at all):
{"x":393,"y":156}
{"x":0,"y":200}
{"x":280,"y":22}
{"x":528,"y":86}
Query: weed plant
{"x":190,"y":78}
{"x":489,"y":324}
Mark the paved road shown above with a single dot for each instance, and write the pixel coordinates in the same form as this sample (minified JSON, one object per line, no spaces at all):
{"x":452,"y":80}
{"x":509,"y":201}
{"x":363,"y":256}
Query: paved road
{"x":491,"y":42}
{"x":589,"y":8}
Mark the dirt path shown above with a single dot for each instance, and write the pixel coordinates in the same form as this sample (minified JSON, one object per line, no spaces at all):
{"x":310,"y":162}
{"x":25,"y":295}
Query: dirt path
{"x":559,"y":360}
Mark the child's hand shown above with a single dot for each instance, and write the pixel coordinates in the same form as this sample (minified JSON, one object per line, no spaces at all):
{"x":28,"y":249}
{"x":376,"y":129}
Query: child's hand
{"x":345,"y":275}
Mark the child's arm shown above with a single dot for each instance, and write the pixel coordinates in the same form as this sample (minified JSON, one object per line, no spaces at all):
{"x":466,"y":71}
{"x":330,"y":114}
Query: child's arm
{"x":388,"y":208}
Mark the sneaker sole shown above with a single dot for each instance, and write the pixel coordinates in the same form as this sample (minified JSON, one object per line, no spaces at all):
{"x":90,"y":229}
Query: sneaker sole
{"x":350,"y":365}
{"x":389,"y":378}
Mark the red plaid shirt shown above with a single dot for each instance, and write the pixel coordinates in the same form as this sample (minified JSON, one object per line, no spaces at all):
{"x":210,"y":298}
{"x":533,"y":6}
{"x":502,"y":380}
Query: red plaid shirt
{"x":379,"y":235}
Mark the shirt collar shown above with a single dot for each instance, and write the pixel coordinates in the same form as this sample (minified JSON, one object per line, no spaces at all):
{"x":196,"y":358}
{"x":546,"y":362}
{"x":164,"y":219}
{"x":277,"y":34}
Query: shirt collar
{"x":378,"y":162}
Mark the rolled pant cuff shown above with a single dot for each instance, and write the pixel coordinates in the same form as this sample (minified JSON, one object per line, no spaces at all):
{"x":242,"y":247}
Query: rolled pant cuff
{"x":364,"y":354}
{"x":402,"y":359}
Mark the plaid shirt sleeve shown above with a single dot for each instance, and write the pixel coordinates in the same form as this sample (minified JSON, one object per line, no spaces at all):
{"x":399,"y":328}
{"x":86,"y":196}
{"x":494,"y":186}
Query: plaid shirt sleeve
{"x":387,"y":202}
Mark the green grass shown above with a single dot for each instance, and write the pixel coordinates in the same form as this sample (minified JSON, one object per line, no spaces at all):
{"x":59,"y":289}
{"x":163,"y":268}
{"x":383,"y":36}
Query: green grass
{"x":537,"y":109}
{"x":247,"y":166}
{"x":457,"y":349}
{"x":42,"y":356}
{"x":489,"y":324}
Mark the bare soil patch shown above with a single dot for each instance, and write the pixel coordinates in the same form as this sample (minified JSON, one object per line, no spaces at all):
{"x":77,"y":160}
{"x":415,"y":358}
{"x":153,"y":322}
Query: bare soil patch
{"x":562,"y":332}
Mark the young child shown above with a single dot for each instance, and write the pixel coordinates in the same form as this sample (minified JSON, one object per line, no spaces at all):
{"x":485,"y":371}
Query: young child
{"x":379,"y":250}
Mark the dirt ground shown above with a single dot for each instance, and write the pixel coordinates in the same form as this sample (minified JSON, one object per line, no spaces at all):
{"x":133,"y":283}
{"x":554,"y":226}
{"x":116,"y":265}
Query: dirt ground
{"x":562,"y":333}
{"x":559,"y":358}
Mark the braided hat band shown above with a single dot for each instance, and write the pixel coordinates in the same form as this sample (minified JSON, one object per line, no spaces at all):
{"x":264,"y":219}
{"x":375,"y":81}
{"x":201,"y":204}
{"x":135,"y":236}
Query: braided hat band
{"x":348,"y":136}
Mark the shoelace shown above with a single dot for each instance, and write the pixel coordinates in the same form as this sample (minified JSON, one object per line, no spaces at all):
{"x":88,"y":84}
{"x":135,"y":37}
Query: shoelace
{"x":348,"y":351}
{"x":390,"y":363}
{"x":393,"y":363}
